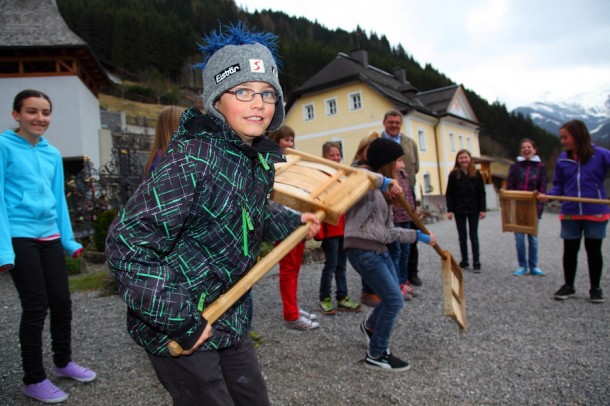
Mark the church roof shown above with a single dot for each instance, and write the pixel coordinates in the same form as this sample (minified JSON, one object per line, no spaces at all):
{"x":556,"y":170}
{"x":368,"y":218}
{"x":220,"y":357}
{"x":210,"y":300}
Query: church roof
{"x":35,"y":23}
{"x":35,"y":28}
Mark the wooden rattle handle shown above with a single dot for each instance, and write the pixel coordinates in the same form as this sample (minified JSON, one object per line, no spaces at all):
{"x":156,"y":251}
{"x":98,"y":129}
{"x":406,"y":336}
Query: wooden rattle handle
{"x":228,"y":299}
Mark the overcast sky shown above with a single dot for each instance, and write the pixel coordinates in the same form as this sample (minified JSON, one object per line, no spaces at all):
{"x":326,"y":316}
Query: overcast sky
{"x":513,"y":51}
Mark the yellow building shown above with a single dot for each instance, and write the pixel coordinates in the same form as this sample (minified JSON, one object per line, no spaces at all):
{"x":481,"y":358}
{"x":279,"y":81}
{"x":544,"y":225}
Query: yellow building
{"x":348,"y":98}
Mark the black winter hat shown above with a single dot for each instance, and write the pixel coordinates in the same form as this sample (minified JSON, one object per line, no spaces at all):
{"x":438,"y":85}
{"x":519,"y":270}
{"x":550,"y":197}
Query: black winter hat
{"x":382,"y":151}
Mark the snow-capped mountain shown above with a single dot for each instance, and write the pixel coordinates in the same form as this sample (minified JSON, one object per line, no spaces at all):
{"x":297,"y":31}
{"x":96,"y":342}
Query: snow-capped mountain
{"x":592,"y":108}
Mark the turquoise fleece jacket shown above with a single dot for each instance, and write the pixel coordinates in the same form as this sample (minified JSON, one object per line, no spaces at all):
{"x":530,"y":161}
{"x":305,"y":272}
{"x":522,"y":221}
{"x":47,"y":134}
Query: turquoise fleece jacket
{"x":32,"y":199}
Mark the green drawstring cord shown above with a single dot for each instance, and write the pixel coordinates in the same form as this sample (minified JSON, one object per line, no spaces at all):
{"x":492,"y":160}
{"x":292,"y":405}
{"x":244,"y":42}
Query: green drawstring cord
{"x":201,"y":302}
{"x":263,"y":161}
{"x":246,"y":225}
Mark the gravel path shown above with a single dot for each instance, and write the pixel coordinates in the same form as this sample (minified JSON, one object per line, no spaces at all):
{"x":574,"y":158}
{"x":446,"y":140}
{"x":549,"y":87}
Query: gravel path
{"x":521,"y":348}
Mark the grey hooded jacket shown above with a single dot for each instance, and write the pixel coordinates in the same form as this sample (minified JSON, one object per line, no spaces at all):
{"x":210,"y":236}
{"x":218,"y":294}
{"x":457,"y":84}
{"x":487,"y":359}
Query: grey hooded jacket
{"x":369,"y":224}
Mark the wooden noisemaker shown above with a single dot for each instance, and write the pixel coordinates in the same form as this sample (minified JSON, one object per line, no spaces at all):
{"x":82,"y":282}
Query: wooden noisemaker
{"x":454,"y":301}
{"x":304,"y":183}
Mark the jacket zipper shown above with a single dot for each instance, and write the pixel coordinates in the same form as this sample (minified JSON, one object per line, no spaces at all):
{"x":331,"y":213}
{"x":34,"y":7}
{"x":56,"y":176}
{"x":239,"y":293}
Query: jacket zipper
{"x":246,"y":226}
{"x":578,"y":186}
{"x":246,"y":220}
{"x":369,"y":218}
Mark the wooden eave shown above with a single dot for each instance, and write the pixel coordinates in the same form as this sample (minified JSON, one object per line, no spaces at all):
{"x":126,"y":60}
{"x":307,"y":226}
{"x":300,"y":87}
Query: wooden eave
{"x":53,"y":61}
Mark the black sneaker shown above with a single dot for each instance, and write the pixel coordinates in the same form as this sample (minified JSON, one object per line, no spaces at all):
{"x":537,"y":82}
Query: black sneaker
{"x":476,"y":267}
{"x":415,"y":281}
{"x":597,"y":295}
{"x":564,"y":292}
{"x":464,"y":265}
{"x":366,"y":333}
{"x":386,"y":362}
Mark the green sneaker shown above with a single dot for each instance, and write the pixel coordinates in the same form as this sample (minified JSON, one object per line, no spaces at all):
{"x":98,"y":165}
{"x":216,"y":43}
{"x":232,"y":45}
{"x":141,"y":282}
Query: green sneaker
{"x":348,"y":305}
{"x":256,"y":338}
{"x":327,"y":307}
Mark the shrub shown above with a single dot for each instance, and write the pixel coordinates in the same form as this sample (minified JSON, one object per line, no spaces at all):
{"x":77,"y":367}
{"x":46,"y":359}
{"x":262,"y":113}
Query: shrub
{"x":100,"y":228}
{"x":74,"y":266}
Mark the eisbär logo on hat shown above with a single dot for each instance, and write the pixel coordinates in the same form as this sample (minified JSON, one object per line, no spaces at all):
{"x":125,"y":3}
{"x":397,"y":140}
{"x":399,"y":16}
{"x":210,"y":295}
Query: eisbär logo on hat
{"x":226,"y":73}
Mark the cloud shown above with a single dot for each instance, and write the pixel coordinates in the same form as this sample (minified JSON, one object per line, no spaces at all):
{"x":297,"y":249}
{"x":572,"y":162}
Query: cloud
{"x":507,"y":50}
{"x":488,"y":17}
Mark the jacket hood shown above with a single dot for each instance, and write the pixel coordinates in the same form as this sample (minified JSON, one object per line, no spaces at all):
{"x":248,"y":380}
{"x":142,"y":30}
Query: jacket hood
{"x":535,"y":158}
{"x":18,"y":139}
{"x":195,"y":124}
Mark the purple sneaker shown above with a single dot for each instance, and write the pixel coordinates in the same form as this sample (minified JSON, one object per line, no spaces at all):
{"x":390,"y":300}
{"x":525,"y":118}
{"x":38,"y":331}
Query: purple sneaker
{"x":45,"y":392}
{"x":76,"y":372}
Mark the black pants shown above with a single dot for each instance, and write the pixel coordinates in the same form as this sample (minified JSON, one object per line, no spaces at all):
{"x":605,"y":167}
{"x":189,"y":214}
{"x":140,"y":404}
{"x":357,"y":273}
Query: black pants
{"x":226,"y":377}
{"x":473,"y":230}
{"x":42,"y":283}
{"x":595,"y":260}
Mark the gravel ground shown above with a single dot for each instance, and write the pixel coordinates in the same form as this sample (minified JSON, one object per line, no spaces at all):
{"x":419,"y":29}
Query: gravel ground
{"x":521,"y":347}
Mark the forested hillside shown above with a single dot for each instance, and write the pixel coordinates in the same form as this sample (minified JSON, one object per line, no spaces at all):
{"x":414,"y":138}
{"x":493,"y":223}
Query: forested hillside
{"x":152,"y":38}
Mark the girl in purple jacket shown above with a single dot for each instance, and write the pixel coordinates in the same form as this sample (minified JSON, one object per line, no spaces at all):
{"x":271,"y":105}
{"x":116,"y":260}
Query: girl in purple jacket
{"x":580,"y":172}
{"x":528,"y":173}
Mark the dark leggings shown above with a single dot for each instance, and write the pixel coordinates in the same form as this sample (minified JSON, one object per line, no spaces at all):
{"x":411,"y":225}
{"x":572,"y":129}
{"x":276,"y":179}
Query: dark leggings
{"x":473,"y":230}
{"x":594,"y":259}
{"x":42,"y":283}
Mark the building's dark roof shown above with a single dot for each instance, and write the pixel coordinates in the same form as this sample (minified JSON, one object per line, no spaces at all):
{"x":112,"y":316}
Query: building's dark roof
{"x":393,"y":86}
{"x":36,"y":28}
{"x":438,"y":100}
{"x":344,"y":69}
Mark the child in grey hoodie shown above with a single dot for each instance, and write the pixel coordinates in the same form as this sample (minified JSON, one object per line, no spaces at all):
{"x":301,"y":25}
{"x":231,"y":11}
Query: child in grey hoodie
{"x":369,"y":227}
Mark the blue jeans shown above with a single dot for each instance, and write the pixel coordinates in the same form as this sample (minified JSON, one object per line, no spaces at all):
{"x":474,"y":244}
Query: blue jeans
{"x":377,"y":269}
{"x":335,"y":263}
{"x":574,"y":229}
{"x":400,"y":255}
{"x":532,"y":258}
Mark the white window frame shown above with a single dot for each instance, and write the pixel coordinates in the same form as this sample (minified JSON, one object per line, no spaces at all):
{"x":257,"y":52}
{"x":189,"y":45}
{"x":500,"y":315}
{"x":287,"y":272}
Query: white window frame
{"x":452,"y":142}
{"x":428,"y":188}
{"x":330,"y":106}
{"x":461,"y":141}
{"x":468,"y":144}
{"x":309,"y":112}
{"x":355,"y":101}
{"x":421,"y":137}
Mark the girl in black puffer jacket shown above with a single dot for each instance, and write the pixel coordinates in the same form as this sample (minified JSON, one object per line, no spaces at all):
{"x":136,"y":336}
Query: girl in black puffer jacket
{"x":466,"y":200}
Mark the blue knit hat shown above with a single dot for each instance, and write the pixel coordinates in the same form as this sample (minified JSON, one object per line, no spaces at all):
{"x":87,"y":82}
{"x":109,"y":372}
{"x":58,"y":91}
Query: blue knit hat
{"x":236,"y":56}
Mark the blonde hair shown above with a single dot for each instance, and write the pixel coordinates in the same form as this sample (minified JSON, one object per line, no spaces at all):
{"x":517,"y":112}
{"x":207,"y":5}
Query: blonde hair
{"x":360,"y":155}
{"x":167,"y":123}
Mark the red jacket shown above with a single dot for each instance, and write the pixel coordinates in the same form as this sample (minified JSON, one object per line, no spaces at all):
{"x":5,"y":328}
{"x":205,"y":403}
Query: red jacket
{"x":328,"y":230}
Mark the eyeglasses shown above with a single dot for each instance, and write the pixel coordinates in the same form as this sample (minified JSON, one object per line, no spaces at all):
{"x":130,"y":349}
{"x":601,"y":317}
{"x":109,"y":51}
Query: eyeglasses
{"x":246,"y":95}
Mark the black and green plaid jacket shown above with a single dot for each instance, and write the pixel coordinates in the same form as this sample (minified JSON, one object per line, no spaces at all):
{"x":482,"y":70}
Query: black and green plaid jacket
{"x":191,"y":230}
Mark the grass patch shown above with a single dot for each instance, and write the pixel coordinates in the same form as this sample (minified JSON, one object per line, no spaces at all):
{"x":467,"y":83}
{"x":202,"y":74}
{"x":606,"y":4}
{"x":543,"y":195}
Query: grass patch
{"x":89,"y":281}
{"x":131,"y":108}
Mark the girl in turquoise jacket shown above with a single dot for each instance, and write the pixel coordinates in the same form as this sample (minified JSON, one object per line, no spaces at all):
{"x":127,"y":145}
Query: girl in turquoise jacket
{"x":35,"y":232}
